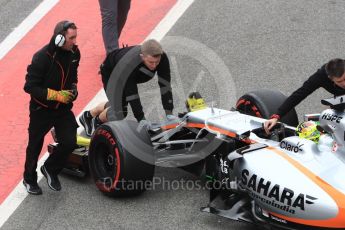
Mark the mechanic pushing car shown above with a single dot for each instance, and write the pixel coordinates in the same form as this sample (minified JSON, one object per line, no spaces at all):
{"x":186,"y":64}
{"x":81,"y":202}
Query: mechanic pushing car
{"x":51,"y":81}
{"x":330,"y":76}
{"x":146,"y":60}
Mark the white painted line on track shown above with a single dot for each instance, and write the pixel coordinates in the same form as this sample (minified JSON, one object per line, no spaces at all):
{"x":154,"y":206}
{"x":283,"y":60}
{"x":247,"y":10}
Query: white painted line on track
{"x":17,"y":196}
{"x":170,"y":19}
{"x":27,"y":24}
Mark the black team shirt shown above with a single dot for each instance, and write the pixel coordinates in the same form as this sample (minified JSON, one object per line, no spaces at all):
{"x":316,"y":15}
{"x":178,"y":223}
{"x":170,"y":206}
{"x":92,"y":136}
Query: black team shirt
{"x":318,"y":80}
{"x":139,"y":75}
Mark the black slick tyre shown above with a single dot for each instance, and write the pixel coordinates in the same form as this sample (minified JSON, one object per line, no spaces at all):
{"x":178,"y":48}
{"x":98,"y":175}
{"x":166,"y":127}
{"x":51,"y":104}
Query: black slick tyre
{"x":121,"y":158}
{"x":264,"y":103}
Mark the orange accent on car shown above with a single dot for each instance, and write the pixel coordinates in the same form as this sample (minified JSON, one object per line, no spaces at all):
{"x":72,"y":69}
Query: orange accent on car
{"x":337,"y":196}
{"x":171,"y":126}
{"x":216,"y":129}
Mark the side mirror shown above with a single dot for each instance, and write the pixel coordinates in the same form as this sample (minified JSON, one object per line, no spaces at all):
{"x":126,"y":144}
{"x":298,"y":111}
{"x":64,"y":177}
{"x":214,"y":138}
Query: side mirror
{"x":312,"y":117}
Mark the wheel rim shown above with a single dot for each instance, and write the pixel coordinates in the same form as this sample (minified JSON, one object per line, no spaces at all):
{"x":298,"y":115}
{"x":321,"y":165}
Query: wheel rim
{"x":106,"y":164}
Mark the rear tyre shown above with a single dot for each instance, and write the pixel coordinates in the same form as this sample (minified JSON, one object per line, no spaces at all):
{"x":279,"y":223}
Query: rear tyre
{"x":121,"y":158}
{"x":264,"y":103}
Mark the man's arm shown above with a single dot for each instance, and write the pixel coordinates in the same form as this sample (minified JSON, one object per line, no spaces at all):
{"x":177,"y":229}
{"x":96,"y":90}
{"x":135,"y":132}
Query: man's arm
{"x":164,"y":78}
{"x":76,"y":58}
{"x":309,"y":86}
{"x":75,"y":62}
{"x":132,"y":97}
{"x":314,"y":82}
{"x":34,"y":80}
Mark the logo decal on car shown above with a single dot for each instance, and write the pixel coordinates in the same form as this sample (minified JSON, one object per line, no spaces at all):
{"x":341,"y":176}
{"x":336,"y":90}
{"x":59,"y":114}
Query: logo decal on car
{"x":275,"y":195}
{"x":331,"y":117}
{"x":290,"y":147}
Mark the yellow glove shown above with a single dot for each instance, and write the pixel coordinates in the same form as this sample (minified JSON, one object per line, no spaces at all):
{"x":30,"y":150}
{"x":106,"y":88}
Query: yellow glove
{"x":63,"y":96}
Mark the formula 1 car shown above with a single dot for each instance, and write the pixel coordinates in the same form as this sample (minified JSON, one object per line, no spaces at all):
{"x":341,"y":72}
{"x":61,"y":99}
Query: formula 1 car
{"x":271,"y":180}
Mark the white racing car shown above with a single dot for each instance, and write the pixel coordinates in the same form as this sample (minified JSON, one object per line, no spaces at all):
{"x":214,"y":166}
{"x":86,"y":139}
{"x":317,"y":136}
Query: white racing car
{"x":277,"y":180}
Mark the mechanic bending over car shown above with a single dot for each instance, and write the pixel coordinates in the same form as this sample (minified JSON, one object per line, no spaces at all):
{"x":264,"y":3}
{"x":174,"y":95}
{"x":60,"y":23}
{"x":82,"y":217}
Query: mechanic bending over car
{"x":330,"y":76}
{"x":51,"y":81}
{"x":148,"y":59}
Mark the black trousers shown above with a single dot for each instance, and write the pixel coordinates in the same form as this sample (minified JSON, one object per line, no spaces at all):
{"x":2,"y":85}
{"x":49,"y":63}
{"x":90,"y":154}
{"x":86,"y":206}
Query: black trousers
{"x":41,"y":121}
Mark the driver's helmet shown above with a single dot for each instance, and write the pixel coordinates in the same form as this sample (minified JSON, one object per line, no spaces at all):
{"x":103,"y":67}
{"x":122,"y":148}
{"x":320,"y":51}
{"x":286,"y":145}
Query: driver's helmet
{"x":308,"y":130}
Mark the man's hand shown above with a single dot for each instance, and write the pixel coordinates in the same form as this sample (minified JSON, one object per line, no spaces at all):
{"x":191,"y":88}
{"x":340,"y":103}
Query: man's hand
{"x":144,"y":124}
{"x":168,"y":112}
{"x":63,"y":96}
{"x":269,"y":124}
{"x":74,"y":91}
{"x":171,"y":118}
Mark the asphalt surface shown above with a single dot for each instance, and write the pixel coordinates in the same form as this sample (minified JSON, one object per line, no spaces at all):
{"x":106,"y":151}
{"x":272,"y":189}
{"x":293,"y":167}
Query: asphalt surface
{"x":233,"y":47}
{"x":12,"y":13}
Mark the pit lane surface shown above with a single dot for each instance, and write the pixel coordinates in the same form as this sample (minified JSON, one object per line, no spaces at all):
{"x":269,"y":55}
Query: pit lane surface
{"x":263,"y":44}
{"x":12,"y":13}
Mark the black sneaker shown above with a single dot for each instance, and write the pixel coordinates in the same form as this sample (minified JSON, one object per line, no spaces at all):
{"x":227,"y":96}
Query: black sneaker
{"x":94,"y":124}
{"x":33,"y":189}
{"x":86,"y":120}
{"x":52,"y":180}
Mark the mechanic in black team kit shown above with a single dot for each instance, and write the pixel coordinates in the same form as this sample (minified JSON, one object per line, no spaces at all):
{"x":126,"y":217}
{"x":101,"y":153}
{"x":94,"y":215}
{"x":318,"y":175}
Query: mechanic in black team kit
{"x":330,"y":76}
{"x":147,"y":59}
{"x":51,"y":81}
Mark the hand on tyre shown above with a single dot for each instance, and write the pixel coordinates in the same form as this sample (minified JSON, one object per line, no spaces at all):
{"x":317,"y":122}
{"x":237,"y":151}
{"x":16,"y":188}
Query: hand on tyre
{"x":269,"y":124}
{"x":63,"y":96}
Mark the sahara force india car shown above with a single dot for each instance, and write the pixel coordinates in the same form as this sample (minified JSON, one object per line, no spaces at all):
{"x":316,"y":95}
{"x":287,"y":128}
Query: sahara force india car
{"x":271,"y":180}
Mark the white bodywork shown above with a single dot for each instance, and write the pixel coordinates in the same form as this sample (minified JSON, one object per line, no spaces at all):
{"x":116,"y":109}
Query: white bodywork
{"x":292,"y":177}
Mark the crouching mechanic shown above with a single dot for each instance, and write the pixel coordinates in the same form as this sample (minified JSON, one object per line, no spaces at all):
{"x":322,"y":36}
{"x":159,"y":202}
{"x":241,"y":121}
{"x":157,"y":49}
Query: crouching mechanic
{"x":147,"y":60}
{"x":51,"y":81}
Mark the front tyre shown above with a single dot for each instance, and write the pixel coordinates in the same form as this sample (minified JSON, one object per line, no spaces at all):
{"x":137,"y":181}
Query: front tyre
{"x":121,"y":158}
{"x":264,"y":103}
